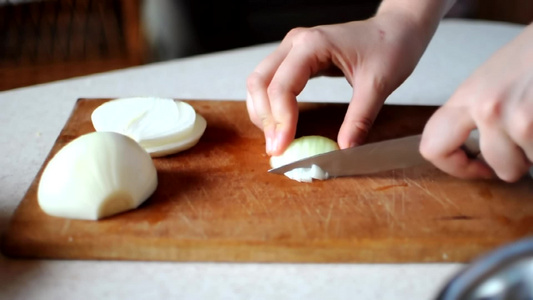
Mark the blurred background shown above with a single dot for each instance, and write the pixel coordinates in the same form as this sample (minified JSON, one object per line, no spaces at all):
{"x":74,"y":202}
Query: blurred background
{"x":48,"y":40}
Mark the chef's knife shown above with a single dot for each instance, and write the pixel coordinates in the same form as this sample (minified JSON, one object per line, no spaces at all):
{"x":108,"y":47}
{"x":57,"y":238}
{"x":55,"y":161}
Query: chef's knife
{"x":374,"y":157}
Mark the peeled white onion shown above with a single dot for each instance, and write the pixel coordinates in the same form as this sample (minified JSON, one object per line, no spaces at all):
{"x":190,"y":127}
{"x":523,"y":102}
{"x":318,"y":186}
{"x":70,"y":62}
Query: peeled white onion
{"x":157,"y":124}
{"x":302,"y":148}
{"x":95,"y":176}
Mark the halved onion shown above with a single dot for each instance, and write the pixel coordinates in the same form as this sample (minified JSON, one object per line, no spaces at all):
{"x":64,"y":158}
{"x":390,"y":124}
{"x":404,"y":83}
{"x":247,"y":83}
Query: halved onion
{"x":157,"y":124}
{"x":302,"y":148}
{"x":97,"y":175}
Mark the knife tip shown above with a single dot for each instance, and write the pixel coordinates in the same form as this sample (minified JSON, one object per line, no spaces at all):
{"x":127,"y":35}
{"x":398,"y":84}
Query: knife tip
{"x":274,"y":171}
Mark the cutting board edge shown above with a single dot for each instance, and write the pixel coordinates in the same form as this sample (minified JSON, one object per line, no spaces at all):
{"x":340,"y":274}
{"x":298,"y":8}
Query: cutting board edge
{"x":357,"y":251}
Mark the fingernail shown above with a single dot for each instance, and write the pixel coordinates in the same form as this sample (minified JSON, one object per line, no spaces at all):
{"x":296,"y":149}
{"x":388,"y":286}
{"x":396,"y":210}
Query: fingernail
{"x":275,"y":145}
{"x":268,"y":144}
{"x":270,"y":140}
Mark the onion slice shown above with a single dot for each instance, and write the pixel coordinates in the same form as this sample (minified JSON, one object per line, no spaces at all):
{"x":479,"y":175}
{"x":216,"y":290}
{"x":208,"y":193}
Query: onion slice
{"x":190,"y":141}
{"x":157,"y":124}
{"x":97,"y":175}
{"x":302,"y":148}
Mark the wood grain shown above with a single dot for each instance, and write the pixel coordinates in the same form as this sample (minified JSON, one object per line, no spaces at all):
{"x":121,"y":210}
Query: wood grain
{"x":216,"y":202}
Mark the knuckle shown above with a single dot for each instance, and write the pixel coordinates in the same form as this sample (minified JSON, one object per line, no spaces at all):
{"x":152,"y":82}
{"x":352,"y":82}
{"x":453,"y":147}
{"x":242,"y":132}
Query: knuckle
{"x":361,"y":125}
{"x":380,"y":85}
{"x":294,"y":32}
{"x":275,"y":90}
{"x":267,"y":122}
{"x":255,"y":82}
{"x":309,"y":36}
{"x":489,"y":110}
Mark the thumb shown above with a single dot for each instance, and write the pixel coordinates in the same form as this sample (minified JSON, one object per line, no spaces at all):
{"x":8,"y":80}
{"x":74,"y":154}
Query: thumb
{"x":367,"y":99}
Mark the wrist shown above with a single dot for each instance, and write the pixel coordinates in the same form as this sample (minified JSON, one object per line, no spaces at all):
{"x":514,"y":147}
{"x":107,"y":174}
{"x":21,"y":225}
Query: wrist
{"x":406,"y":35}
{"x":420,"y":17}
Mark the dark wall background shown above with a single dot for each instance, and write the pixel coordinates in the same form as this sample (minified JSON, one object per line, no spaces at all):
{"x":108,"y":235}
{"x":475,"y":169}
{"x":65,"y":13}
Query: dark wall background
{"x":210,"y":25}
{"x":226,"y":24}
{"x":47,"y":40}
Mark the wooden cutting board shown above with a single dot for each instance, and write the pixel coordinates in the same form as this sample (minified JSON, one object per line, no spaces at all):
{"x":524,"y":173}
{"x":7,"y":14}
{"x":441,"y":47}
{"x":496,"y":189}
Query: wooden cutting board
{"x":216,"y":202}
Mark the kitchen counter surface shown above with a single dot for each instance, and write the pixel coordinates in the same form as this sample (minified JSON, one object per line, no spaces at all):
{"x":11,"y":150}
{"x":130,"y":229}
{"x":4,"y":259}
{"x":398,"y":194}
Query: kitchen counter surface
{"x":32,"y":118}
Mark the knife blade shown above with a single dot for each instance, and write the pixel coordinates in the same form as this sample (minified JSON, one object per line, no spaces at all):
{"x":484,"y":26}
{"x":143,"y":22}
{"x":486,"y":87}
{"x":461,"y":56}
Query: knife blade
{"x":372,"y":158}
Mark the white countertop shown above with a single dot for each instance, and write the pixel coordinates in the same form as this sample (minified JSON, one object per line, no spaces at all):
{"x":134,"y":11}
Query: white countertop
{"x":31,"y":119}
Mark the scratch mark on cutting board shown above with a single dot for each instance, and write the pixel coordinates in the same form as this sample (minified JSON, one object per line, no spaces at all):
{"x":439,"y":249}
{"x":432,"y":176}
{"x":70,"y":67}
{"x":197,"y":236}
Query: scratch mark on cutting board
{"x":328,"y":219}
{"x":387,"y":207}
{"x":199,"y":229}
{"x":257,"y":200}
{"x":245,"y":206}
{"x":300,"y":225}
{"x":199,"y":215}
{"x":390,"y":209}
{"x":194,"y":209}
{"x":442,"y":200}
{"x":403,"y":203}
{"x":301,"y":215}
{"x":65,"y":227}
{"x":370,"y":207}
{"x":402,"y":193}
{"x":250,"y":200}
{"x":390,"y":186}
{"x":191,"y":206}
{"x":372,"y":180}
{"x":341,"y":203}
{"x":303,"y":225}
{"x":306,"y":209}
{"x":457,"y":218}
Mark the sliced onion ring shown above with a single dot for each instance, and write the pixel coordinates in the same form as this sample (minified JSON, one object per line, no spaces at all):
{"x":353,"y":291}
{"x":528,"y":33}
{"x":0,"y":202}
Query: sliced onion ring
{"x":162,"y":126}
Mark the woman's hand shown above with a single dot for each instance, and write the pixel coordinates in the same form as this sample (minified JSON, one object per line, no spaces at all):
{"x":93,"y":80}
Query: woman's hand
{"x":497,"y":99}
{"x":375,"y":56}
